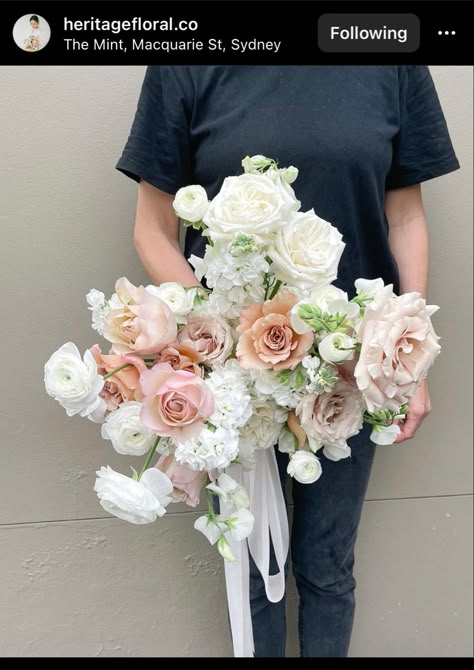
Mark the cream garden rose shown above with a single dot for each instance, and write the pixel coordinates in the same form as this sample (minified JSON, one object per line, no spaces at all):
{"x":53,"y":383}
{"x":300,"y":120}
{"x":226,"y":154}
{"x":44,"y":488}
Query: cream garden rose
{"x":250,"y":203}
{"x":399,"y":345}
{"x":191,"y":203}
{"x":306,"y":251}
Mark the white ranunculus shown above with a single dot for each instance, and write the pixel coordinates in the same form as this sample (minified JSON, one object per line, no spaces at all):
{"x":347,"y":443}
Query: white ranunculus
{"x":209,"y":527}
{"x":74,"y":381}
{"x":137,"y":502}
{"x":368,"y":287}
{"x":250,"y":203}
{"x":306,"y":251}
{"x":385,"y":434}
{"x":191,"y":203}
{"x":179,"y":300}
{"x":240,"y":524}
{"x":230,"y":491}
{"x":337,"y":347}
{"x":304,"y":467}
{"x":126,"y":432}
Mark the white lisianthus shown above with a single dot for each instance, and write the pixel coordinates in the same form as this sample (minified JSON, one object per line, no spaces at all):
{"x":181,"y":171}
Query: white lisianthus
{"x":385,"y":434}
{"x":99,"y":308}
{"x":306,"y":251}
{"x":368,"y":287}
{"x":134,"y":501}
{"x":336,"y":347}
{"x":179,"y":300}
{"x":74,"y":382}
{"x":240,"y":524}
{"x":126,"y":432}
{"x":191,"y":203}
{"x":304,"y":467}
{"x":250,"y":204}
{"x":230,"y":491}
{"x":210,"y":527}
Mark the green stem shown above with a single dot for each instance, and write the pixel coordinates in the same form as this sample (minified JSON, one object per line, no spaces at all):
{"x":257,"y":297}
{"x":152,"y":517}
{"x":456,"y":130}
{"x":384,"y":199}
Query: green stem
{"x":276,"y":286}
{"x":151,"y":453}
{"x":210,"y":505}
{"x":112,"y":372}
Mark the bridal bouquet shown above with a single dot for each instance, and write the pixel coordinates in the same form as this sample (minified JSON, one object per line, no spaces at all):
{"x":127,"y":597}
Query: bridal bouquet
{"x":268,"y":352}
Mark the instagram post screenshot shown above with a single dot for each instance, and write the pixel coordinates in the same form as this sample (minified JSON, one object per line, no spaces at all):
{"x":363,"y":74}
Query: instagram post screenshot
{"x":236,"y":262}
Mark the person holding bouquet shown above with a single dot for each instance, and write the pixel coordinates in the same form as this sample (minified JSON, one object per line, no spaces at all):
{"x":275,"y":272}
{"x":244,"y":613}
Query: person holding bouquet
{"x":364,"y":139}
{"x":33,"y":40}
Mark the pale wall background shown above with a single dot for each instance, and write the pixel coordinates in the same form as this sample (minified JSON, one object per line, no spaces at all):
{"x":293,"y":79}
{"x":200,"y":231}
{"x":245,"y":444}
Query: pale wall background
{"x":76,"y":582}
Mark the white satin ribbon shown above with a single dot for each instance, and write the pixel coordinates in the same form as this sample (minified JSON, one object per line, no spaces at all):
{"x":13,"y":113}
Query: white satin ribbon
{"x":267,"y":504}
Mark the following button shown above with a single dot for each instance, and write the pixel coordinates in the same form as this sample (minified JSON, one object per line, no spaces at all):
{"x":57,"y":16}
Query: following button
{"x":368,"y":33}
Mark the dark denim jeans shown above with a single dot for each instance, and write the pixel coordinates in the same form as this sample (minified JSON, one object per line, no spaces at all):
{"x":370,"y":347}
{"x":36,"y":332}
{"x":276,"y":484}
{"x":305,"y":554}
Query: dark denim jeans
{"x":325,"y":522}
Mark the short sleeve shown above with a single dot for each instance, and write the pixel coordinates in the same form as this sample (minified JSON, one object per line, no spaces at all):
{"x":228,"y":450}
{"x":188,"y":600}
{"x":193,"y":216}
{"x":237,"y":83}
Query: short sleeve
{"x":422,"y":149}
{"x":157,"y":149}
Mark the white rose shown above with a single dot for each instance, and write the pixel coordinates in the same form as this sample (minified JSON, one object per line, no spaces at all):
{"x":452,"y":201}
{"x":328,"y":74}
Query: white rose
{"x":306,"y":251}
{"x":74,"y":382}
{"x":127,"y":433}
{"x":252,"y":204}
{"x":191,"y":203}
{"x":137,"y":502}
{"x":337,"y":347}
{"x":304,"y":467}
{"x":179,"y":300}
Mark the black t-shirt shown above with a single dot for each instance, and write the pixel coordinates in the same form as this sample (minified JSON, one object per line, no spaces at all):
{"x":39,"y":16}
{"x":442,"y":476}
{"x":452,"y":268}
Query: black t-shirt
{"x":353,"y":132}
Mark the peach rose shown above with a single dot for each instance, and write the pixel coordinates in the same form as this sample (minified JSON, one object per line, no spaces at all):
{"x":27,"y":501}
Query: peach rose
{"x":267,"y":339}
{"x":123,"y":385}
{"x":210,"y":335}
{"x":181,"y":357}
{"x":175,"y":402}
{"x":138,"y":321}
{"x":398,"y":347}
{"x":187,"y":483}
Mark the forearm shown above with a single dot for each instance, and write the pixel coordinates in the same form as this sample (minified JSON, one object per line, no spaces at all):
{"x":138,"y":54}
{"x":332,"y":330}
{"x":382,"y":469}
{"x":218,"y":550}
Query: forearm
{"x":163,"y":259}
{"x":409,"y":246}
{"x":408,"y":237}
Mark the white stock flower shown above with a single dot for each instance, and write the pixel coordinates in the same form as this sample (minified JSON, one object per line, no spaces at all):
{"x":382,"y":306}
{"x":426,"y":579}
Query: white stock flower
{"x":74,"y":382}
{"x":304,"y":467}
{"x":211,"y":449}
{"x":306,"y":251}
{"x":249,"y":203}
{"x":385,"y":434}
{"x":191,"y":203}
{"x":336,"y":347}
{"x":98,"y":306}
{"x":179,"y":300}
{"x":368,"y":287}
{"x":134,"y":501}
{"x":233,"y":402}
{"x":126,"y":432}
{"x":230,"y":491}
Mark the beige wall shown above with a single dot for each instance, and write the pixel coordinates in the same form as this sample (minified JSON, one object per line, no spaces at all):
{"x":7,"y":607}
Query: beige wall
{"x":74,"y":582}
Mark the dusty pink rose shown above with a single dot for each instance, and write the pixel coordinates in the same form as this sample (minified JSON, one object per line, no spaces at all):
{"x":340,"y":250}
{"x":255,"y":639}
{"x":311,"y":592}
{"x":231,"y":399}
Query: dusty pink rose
{"x":210,"y":335}
{"x":187,"y":483}
{"x":398,"y":347}
{"x":138,"y":321}
{"x":330,"y":419}
{"x":123,"y":385}
{"x":181,"y":357}
{"x":175,"y":402}
{"x":267,"y":339}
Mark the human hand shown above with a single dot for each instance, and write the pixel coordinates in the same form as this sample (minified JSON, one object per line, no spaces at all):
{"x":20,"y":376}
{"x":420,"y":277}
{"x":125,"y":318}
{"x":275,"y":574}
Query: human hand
{"x":418,"y":408}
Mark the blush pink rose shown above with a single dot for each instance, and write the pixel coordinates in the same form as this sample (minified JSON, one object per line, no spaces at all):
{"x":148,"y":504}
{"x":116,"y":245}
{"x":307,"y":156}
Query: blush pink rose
{"x":210,"y":335}
{"x":123,"y":385}
{"x":175,"y":402}
{"x":399,"y":345}
{"x":267,"y":340}
{"x":181,"y":357}
{"x":138,"y":321}
{"x":187,"y":483}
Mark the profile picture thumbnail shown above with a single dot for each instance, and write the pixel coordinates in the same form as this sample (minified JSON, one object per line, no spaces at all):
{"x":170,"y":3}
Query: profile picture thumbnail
{"x":31,"y":32}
